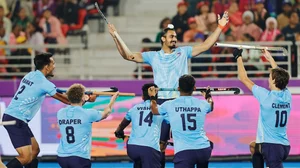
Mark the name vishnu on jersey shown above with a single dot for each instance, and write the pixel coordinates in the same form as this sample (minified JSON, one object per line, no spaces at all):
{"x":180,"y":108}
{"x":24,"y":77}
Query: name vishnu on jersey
{"x":281,"y":106}
{"x":27,"y":82}
{"x":69,"y":121}
{"x":187,"y":109}
{"x":143,"y":108}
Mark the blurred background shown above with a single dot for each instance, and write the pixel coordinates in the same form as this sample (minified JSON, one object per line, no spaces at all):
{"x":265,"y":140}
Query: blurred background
{"x":85,"y":53}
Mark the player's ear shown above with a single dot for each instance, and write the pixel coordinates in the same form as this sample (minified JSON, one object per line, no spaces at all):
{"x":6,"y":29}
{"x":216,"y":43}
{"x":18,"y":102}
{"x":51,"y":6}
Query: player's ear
{"x":163,"y":38}
{"x":194,"y":88}
{"x":86,"y":98}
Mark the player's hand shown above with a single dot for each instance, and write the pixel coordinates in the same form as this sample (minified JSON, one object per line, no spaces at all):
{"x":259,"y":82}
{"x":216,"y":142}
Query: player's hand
{"x":267,"y":55}
{"x":152,"y":91}
{"x":237,"y":53}
{"x":119,"y":134}
{"x":207,"y":93}
{"x":92,"y":98}
{"x":112,"y":29}
{"x":224,"y":20}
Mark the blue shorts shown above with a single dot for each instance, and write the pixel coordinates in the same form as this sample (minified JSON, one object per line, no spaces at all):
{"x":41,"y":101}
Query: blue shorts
{"x":274,"y":154}
{"x":190,"y":158}
{"x":165,"y":127}
{"x":20,"y":133}
{"x":148,"y":157}
{"x":74,"y":161}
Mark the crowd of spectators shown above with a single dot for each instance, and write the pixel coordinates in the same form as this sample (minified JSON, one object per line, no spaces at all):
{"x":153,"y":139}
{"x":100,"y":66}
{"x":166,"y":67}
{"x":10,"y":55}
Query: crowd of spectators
{"x":39,"y":22}
{"x":250,"y":21}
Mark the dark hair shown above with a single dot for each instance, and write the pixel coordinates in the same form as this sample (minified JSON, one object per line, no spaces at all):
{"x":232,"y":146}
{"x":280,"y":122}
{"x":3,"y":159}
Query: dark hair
{"x":41,"y":60}
{"x":281,"y":77}
{"x":187,"y":83}
{"x":36,"y":27}
{"x":248,"y":36}
{"x":164,"y":32}
{"x":75,"y":93}
{"x":145,"y":90}
{"x":162,"y":22}
{"x":279,"y":36}
{"x":1,"y":7}
{"x":146,"y":40}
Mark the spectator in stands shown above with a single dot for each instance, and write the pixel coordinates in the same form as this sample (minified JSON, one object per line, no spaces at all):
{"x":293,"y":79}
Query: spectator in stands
{"x":5,"y":23}
{"x":45,"y":4}
{"x":67,"y":12}
{"x":251,"y":56}
{"x":294,"y":27}
{"x":297,"y":7}
{"x":180,"y":20}
{"x":283,"y":18}
{"x":248,"y":27}
{"x":205,"y":17}
{"x":4,"y":5}
{"x":3,"y":60}
{"x":289,"y":33}
{"x":260,"y":14}
{"x":163,"y":24}
{"x":15,"y":6}
{"x":189,"y":35}
{"x":191,"y":6}
{"x":235,"y":16}
{"x":271,"y":30}
{"x":14,"y":35}
{"x":219,"y":6}
{"x":212,"y":27}
{"x":22,"y":19}
{"x":245,"y":5}
{"x":51,"y":29}
{"x":34,"y":35}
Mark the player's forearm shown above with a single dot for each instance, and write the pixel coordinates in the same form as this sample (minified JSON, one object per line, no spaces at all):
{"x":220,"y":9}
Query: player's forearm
{"x":123,"y":47}
{"x":211,"y":105}
{"x":207,"y":44}
{"x":154,"y":108}
{"x":106,"y":113}
{"x":61,"y":97}
{"x":123,"y":125}
{"x":242,"y":74}
{"x":121,"y":51}
{"x":273,"y":63}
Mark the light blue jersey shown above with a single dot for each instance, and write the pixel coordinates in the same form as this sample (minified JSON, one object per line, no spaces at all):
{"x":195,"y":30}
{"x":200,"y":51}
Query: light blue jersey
{"x":30,"y":95}
{"x":145,"y":126}
{"x":75,"y":125}
{"x":168,"y":68}
{"x":275,"y":108}
{"x":187,"y":115}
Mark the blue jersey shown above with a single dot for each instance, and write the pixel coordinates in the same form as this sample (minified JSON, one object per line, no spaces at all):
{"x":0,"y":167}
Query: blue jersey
{"x":168,"y":68}
{"x":30,"y":95}
{"x":275,"y":108}
{"x":145,"y":126}
{"x":75,"y":125}
{"x":187,"y":115}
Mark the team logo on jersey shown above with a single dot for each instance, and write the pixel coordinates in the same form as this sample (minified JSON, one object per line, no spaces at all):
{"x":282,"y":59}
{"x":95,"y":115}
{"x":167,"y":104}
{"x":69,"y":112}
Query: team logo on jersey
{"x":178,"y":54}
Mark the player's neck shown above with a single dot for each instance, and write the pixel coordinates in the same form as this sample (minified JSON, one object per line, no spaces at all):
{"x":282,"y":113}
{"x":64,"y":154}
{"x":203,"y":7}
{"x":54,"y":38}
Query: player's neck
{"x":76,"y":104}
{"x":185,"y":94}
{"x":167,"y":49}
{"x":43,"y":71}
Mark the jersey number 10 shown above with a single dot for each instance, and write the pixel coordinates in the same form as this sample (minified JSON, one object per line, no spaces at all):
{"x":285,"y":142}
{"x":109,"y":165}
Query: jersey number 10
{"x":282,"y":116}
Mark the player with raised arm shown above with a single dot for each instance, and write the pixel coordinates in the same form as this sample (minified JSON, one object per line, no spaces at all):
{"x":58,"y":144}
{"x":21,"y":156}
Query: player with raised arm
{"x":75,"y":125}
{"x":186,"y":115}
{"x":24,"y":105}
{"x":143,"y":145}
{"x":168,"y":64}
{"x":272,"y":144}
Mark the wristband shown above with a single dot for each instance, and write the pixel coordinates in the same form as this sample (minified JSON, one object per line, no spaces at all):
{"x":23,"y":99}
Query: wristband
{"x":221,"y":27}
{"x":152,"y":98}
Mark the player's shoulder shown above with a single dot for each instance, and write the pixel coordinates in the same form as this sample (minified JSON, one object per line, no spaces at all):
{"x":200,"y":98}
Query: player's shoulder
{"x":151,"y":52}
{"x":141,"y":106}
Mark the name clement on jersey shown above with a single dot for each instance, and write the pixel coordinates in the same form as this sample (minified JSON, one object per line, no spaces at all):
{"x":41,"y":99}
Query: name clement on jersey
{"x":281,"y":106}
{"x":27,"y":82}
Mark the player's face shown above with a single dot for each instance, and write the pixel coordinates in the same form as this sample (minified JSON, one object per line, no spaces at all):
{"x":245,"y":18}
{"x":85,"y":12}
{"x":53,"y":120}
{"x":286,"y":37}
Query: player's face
{"x":50,"y":68}
{"x":171,"y":39}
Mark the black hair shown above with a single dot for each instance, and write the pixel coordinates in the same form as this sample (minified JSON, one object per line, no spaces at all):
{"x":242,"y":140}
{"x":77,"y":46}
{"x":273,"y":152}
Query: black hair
{"x":187,"y":83}
{"x":164,"y":32}
{"x":162,"y":22}
{"x":41,"y":60}
{"x":248,"y":36}
{"x":279,"y":36}
{"x":145,"y":90}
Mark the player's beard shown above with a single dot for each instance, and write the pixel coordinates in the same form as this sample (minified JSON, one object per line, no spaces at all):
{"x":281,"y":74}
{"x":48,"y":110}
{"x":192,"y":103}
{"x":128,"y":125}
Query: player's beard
{"x":50,"y":75}
{"x":172,"y":45}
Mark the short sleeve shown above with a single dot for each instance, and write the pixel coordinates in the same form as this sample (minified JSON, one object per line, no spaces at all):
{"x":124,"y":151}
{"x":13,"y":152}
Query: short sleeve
{"x":49,"y":88}
{"x":166,"y":118}
{"x":188,"y":51}
{"x":128,"y":115}
{"x":148,"y":57}
{"x":260,"y":93}
{"x":207,"y":107}
{"x":94,"y":115}
{"x":162,"y":109}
